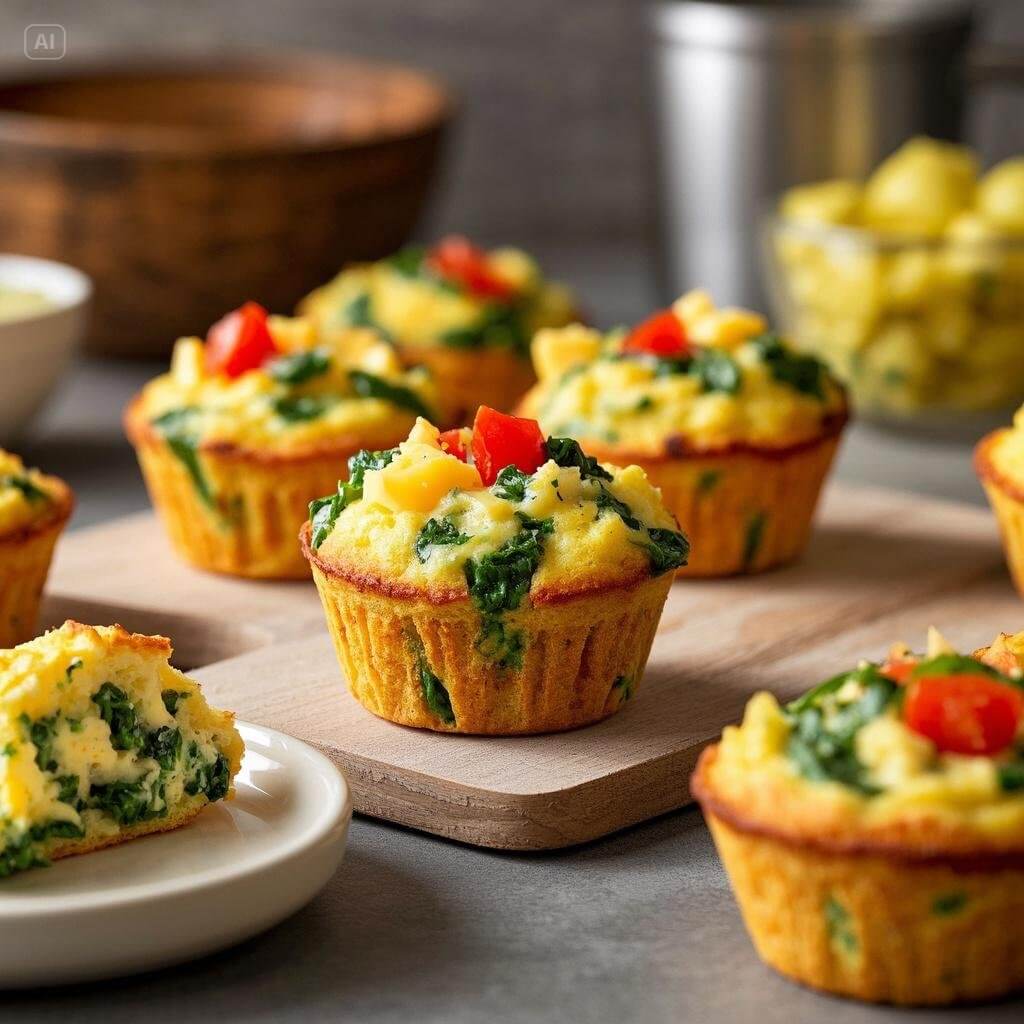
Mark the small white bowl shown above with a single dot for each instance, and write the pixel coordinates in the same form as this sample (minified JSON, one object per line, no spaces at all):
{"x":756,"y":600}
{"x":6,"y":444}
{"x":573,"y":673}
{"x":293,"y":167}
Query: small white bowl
{"x":35,"y":349}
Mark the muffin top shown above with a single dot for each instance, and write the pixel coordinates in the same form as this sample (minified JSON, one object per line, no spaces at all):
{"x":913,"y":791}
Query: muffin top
{"x":453,"y":295}
{"x":263,"y":382}
{"x":1004,"y":453}
{"x":927,"y":189}
{"x":27,"y":497}
{"x":692,"y":378}
{"x":917,"y":754}
{"x":496,"y":513}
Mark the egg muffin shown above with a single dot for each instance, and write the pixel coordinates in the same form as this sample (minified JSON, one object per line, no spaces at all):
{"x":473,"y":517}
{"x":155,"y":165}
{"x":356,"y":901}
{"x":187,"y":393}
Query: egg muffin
{"x":465,"y":313}
{"x":736,"y":430}
{"x":34,"y":509}
{"x":873,"y":829}
{"x":491,"y":581}
{"x":102,"y":740}
{"x":249,"y":427}
{"x":999,"y":463}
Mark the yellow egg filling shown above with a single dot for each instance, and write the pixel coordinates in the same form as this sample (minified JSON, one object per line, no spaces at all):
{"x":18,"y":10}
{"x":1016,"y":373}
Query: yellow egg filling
{"x":844,"y":756}
{"x":415,"y":308}
{"x":732,"y":390}
{"x":26,"y":495}
{"x":99,"y":734}
{"x":309,"y":395}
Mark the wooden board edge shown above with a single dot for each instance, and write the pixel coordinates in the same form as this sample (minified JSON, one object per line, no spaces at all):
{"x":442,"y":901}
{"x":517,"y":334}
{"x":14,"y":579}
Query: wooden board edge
{"x":532,"y":822}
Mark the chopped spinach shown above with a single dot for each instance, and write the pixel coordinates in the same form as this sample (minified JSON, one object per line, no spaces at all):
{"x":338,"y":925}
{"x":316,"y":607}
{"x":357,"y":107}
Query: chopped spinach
{"x":1011,"y":776}
{"x":434,"y":693}
{"x":607,"y":502}
{"x":499,"y":644}
{"x":436,"y":532}
{"x":839,"y":926}
{"x":172,"y":698}
{"x":324,"y":512}
{"x":164,"y":746}
{"x":803,"y":373}
{"x":68,"y":788}
{"x":128,"y":803}
{"x":20,"y":854}
{"x":73,"y":666}
{"x":211,"y":779}
{"x":823,"y":737}
{"x":952,"y":664}
{"x":299,"y":367}
{"x":300,"y":408}
{"x":42,"y":733}
{"x":9,"y":750}
{"x":56,"y":830}
{"x":368,"y":385}
{"x":708,"y":481}
{"x":949,"y":903}
{"x":566,"y":452}
{"x":22,"y":483}
{"x":408,"y":261}
{"x":511,"y":484}
{"x":500,"y":326}
{"x":753,"y":537}
{"x":126,"y":732}
{"x":716,"y":371}
{"x":667,"y":549}
{"x":624,"y":686}
{"x":178,"y":429}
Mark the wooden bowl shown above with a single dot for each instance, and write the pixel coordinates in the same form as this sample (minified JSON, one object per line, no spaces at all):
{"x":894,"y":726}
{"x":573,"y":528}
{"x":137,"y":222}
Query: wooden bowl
{"x":186,"y":188}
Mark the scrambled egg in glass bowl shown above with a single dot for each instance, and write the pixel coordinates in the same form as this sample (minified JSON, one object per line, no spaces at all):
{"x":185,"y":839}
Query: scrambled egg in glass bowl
{"x":491,"y":580}
{"x":873,"y":829}
{"x":249,"y":427}
{"x":465,"y":313}
{"x":736,"y":429}
{"x":911,"y":284}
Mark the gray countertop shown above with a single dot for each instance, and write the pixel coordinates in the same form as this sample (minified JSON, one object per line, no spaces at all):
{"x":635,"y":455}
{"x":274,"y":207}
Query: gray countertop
{"x":636,"y":927}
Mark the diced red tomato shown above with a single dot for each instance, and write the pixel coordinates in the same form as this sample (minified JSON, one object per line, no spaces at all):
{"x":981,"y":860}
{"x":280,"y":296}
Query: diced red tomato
{"x":964,"y":713}
{"x":456,"y":259}
{"x":239,"y":342}
{"x":500,"y":441}
{"x":899,"y":669}
{"x":452,"y":442}
{"x":659,"y":335}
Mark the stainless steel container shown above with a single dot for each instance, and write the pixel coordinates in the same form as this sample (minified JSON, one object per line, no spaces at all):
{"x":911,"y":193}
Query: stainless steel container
{"x":755,"y":97}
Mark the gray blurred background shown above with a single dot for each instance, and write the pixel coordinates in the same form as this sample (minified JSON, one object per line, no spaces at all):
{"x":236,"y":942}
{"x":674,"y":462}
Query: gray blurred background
{"x":551,"y":151}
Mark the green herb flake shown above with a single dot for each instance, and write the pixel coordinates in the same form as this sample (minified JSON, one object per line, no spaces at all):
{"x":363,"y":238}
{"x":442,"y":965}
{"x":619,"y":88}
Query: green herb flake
{"x":117,"y":710}
{"x":302,"y":408}
{"x":511,"y":484}
{"x":172,"y":698}
{"x":499,"y":326}
{"x":324,"y":512}
{"x":803,"y":373}
{"x":708,"y":481}
{"x":299,"y":367}
{"x":435,"y":533}
{"x":408,"y":261}
{"x":368,"y":385}
{"x":667,"y":549}
{"x":623,"y":685}
{"x":9,"y":750}
{"x":949,"y":904}
{"x":73,"y":666}
{"x":178,"y":428}
{"x":434,"y":693}
{"x":716,"y":370}
{"x":753,"y":538}
{"x":566,"y":452}
{"x":607,"y":502}
{"x":839,"y":925}
{"x":20,"y":482}
{"x":1011,"y":776}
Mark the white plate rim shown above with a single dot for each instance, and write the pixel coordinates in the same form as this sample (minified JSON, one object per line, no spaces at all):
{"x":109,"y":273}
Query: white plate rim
{"x":333,"y":815}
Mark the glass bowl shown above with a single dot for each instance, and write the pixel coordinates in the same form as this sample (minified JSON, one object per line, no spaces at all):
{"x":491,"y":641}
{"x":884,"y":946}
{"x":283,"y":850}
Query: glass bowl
{"x":923,"y":331}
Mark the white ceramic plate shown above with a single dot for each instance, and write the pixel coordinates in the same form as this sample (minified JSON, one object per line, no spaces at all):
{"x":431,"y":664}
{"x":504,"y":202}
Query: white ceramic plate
{"x":237,"y":869}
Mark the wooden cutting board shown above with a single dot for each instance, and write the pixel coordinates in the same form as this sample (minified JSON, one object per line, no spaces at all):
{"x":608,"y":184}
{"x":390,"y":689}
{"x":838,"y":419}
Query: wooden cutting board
{"x":882,"y":567}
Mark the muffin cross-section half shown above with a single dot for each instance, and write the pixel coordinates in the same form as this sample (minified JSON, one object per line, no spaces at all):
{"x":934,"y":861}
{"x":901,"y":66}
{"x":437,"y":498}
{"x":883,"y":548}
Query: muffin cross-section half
{"x":489,"y":580}
{"x":102,"y":740}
